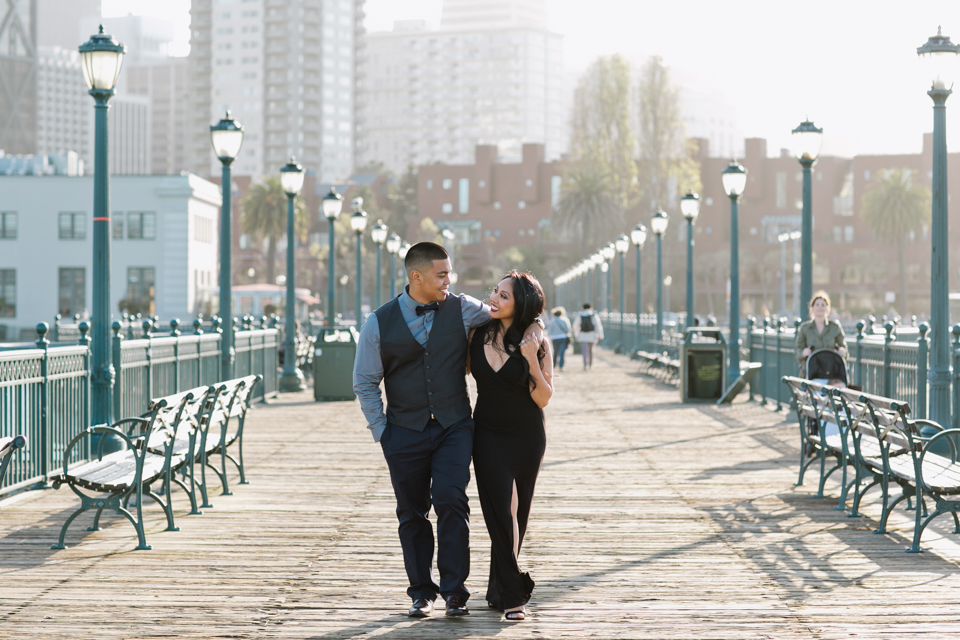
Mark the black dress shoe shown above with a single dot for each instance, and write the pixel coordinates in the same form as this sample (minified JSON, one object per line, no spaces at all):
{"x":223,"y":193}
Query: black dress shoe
{"x":420,"y":608}
{"x":456,"y":606}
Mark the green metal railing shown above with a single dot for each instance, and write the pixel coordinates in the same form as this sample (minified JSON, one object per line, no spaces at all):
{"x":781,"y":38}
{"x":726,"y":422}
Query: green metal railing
{"x":45,"y":391}
{"x":879,"y":363}
{"x":624,"y":333}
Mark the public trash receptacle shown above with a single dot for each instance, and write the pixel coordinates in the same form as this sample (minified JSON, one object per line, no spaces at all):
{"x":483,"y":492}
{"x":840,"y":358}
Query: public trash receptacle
{"x":703,"y":376}
{"x":333,"y":359}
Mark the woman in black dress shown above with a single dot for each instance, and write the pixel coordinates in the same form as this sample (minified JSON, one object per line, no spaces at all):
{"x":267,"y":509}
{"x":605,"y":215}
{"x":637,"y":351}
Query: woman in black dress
{"x":514,"y":382}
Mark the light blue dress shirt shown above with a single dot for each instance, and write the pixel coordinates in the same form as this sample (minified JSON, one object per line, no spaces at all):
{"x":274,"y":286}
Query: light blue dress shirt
{"x":368,"y":367}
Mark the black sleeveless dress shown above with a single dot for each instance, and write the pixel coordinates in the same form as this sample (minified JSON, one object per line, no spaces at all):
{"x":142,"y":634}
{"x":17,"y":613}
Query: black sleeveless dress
{"x":508,"y":444}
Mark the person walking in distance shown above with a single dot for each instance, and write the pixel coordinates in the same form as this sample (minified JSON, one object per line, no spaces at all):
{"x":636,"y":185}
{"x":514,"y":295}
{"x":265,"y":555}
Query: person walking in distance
{"x":416,"y":344}
{"x":558,"y":330}
{"x":588,"y":331}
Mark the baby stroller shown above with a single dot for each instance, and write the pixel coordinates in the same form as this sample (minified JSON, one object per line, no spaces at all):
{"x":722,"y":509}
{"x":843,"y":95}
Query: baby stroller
{"x":828,"y":367}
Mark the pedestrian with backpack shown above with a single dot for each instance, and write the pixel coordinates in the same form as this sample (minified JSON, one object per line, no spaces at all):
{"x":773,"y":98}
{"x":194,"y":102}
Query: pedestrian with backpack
{"x":588,"y":332}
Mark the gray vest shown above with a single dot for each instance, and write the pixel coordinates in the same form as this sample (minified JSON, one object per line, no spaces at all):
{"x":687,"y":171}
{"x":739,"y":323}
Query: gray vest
{"x":421,"y":381}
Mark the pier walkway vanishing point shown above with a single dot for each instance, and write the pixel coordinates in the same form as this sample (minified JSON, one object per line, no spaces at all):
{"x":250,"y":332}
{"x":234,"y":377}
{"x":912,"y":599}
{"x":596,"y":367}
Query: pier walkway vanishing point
{"x":652,"y":519}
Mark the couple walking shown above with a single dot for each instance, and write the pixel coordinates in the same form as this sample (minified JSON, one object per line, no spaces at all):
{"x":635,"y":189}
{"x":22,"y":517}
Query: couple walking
{"x":421,"y":345}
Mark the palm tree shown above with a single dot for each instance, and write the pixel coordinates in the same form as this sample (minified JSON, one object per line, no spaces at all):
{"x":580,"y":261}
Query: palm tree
{"x":588,"y":207}
{"x":894,"y":207}
{"x":263,"y":215}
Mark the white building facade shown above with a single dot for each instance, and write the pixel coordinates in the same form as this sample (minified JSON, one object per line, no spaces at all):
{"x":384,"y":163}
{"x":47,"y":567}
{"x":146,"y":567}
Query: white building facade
{"x":287,"y":72}
{"x":63,"y":105}
{"x":433,"y":95}
{"x":163,"y":252}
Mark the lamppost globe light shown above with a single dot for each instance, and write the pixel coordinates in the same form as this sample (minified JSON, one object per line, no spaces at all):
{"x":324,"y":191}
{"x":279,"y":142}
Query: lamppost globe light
{"x":734,"y":179}
{"x":332,"y":205}
{"x":358,"y":221}
{"x":659,"y":222}
{"x":608,"y":251}
{"x":251,"y":272}
{"x":101,"y":58}
{"x":668,"y":280}
{"x":604,"y":267}
{"x":596,"y":258}
{"x":393,"y":243}
{"x":402,"y":251}
{"x":448,"y":234}
{"x":807,"y":139}
{"x":226,"y":137}
{"x":622,"y":244}
{"x":783,"y":237}
{"x":379,"y":232}
{"x":939,"y":56}
{"x":795,"y":235}
{"x":291,"y":178}
{"x":638,"y":235}
{"x":690,"y":206}
{"x":344,"y":279}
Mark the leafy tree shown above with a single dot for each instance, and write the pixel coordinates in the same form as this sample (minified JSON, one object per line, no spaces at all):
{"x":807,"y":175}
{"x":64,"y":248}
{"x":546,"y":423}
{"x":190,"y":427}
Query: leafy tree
{"x":263,"y":215}
{"x":588,"y":207}
{"x":602,"y":140}
{"x":666,"y":161}
{"x":894,"y":207}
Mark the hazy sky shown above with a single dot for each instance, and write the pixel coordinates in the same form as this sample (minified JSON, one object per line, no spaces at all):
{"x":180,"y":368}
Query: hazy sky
{"x":851,"y":65}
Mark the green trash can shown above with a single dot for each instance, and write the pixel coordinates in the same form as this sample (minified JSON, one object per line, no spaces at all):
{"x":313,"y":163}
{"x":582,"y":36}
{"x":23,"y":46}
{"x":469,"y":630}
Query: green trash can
{"x":333,"y":359}
{"x":703,"y":376}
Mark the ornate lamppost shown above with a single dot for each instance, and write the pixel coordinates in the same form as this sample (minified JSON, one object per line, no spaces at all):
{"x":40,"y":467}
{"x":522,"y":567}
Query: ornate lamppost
{"x":402,"y":254}
{"x":358,"y":222}
{"x":690,"y":208}
{"x":622,"y":245}
{"x":226,"y":137}
{"x":101,"y":58}
{"x":940,"y":56}
{"x":638,"y":236}
{"x":658,"y":223}
{"x":608,"y":253}
{"x":379,"y":235}
{"x":291,"y":379}
{"x":734,"y":179}
{"x":331,"y":205}
{"x":393,"y":246}
{"x":596,"y":295}
{"x":807,"y":139}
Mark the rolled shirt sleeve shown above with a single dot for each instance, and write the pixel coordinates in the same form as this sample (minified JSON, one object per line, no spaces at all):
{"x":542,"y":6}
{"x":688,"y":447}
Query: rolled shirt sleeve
{"x":475,"y":313}
{"x":367,"y":376}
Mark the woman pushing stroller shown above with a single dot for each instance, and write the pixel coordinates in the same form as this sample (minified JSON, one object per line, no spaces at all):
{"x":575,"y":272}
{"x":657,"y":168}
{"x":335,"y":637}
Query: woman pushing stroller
{"x":820,"y":335}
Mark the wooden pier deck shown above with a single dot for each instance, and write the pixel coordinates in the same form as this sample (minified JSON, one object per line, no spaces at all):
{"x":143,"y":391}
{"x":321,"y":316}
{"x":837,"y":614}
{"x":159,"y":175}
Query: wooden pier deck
{"x":652,"y":519}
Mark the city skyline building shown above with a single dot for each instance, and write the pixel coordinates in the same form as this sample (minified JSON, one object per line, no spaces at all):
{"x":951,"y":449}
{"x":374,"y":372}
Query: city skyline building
{"x":287,"y":71}
{"x":63,"y":106}
{"x":487,"y":14}
{"x":434,"y":95}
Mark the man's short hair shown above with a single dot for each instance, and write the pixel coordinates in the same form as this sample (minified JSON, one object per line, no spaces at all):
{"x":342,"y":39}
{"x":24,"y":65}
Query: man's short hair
{"x":420,"y":257}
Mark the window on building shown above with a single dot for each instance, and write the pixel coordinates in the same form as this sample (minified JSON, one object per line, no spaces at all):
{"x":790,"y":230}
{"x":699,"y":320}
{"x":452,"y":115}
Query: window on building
{"x":464,"y":204}
{"x":838,"y":234}
{"x":521,"y":205}
{"x":8,"y":225}
{"x":141,"y":225}
{"x":73,"y":225}
{"x":429,"y":184}
{"x":555,"y":184}
{"x":140,"y":290}
{"x":117,"y":222}
{"x":8,"y":293}
{"x":447,"y":183}
{"x":848,"y":233}
{"x":465,"y":231}
{"x":203,"y":230}
{"x":447,"y":207}
{"x":73,"y":290}
{"x":781,"y":190}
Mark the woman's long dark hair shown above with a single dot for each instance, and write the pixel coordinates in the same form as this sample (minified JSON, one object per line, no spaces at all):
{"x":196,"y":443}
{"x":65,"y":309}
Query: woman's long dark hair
{"x":528,"y":303}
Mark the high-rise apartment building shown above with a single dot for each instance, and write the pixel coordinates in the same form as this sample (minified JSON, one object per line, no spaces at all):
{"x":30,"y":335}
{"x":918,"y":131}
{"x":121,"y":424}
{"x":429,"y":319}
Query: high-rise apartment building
{"x":492,"y":74}
{"x":286,"y":69}
{"x":63,"y":106}
{"x":18,"y":67}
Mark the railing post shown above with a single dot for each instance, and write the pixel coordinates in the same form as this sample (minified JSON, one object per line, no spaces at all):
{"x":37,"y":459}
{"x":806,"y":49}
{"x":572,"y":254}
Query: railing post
{"x":858,"y":372}
{"x":922,"y":354}
{"x":780,"y":322}
{"x":751,"y":322}
{"x":46,"y":455}
{"x":117,"y":353}
{"x":198,"y":331}
{"x":215,"y":322}
{"x":56,"y":327}
{"x":887,"y":369}
{"x":764,"y":369}
{"x":84,"y":341}
{"x":175,"y":333}
{"x":148,"y":391}
{"x":956,"y":377}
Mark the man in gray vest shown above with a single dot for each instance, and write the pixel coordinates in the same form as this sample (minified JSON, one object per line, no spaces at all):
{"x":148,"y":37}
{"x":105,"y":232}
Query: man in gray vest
{"x":417,"y":345}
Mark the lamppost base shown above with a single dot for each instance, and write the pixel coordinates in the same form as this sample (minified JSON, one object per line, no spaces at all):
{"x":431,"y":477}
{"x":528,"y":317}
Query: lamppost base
{"x":291,"y":382}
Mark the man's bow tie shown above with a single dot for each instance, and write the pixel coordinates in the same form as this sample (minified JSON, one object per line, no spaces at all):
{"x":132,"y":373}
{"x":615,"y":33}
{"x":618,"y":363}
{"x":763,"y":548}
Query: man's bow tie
{"x":433,"y":306}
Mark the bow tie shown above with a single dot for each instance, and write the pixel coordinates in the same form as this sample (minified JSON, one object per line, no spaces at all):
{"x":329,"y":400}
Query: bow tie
{"x":433,"y":306}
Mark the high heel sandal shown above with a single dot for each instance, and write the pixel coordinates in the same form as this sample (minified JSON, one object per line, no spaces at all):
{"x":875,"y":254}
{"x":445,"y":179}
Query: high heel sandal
{"x":515,"y":615}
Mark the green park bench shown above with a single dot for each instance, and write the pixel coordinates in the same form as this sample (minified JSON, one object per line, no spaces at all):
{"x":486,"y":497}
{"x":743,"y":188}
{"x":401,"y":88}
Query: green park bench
{"x":885,"y":447}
